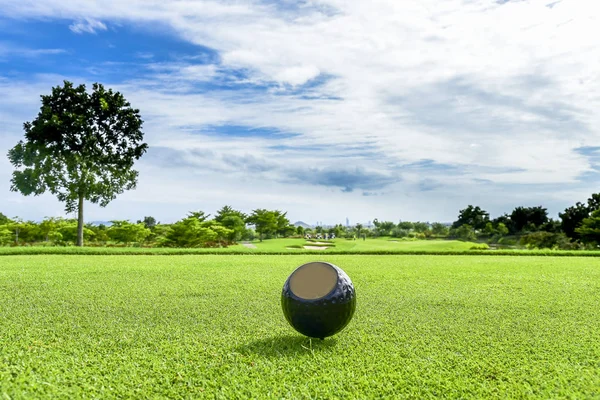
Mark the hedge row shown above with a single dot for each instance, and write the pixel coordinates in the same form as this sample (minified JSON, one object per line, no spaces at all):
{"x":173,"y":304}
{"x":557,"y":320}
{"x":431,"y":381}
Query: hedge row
{"x":225,"y":251}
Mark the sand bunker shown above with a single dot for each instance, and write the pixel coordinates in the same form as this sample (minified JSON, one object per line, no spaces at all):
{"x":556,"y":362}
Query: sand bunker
{"x":315,"y":247}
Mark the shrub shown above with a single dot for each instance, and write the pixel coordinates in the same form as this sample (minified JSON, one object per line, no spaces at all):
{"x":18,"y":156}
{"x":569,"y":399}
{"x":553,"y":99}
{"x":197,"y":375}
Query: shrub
{"x":548,"y":240}
{"x":399,"y":232}
{"x":508,"y":241}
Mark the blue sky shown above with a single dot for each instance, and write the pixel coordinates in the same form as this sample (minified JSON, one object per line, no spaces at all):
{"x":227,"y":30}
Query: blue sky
{"x":325,"y":108}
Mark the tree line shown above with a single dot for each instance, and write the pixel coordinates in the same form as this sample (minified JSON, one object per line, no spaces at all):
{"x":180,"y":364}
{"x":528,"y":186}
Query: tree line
{"x":197,"y":229}
{"x":578,"y":227}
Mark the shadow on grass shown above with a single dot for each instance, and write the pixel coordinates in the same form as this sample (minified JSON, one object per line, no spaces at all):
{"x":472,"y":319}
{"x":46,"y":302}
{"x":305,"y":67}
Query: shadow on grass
{"x":289,"y":345}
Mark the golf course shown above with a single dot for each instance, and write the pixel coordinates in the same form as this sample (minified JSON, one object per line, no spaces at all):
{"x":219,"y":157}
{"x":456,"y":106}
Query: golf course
{"x":211,"y":326}
{"x":299,"y":200}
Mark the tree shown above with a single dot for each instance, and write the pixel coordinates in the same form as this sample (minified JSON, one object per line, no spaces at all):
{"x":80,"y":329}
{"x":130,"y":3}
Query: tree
{"x":405,"y":225}
{"x":501,"y":229}
{"x":383,"y":228}
{"x":573,"y":216}
{"x":126,"y":232}
{"x":15,"y":226}
{"x":236,"y":224}
{"x":539,"y":240}
{"x":6,"y":235}
{"x":82,"y":146}
{"x":398,"y":232}
{"x":473,"y":216}
{"x":528,"y":218}
{"x":338,"y":230}
{"x":465,"y":232}
{"x":222,"y":234}
{"x":69,"y":231}
{"x":589,"y":230}
{"x":4,"y":219}
{"x":439,"y":229}
{"x":506,"y":222}
{"x":198,"y":215}
{"x":552,"y":226}
{"x":100,"y":232}
{"x":489,"y":229}
{"x":421,"y":227}
{"x":227,"y":211}
{"x":264,"y":221}
{"x":149,"y":222}
{"x":359,"y":228}
{"x":289,"y":230}
{"x":49,"y":225}
{"x":192,"y":232}
{"x":283,"y":224}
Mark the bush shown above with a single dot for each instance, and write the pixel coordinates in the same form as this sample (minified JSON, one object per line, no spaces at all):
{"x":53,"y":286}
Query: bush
{"x":399,"y":232}
{"x":508,"y":241}
{"x":548,"y":240}
{"x":464,"y":232}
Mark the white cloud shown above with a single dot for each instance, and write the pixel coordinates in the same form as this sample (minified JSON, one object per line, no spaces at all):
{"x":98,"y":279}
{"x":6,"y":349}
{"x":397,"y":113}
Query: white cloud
{"x":87,"y":25}
{"x":297,"y":75}
{"x":504,"y":91}
{"x":9,"y":49}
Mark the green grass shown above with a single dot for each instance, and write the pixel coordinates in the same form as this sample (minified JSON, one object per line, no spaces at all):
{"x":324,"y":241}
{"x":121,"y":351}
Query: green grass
{"x":369,"y":245}
{"x":212,"y":327}
{"x":379,"y":246}
{"x":274,"y":246}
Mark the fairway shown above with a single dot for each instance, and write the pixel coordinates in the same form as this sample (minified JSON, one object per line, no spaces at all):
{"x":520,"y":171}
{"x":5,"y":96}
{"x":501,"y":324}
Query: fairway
{"x":195,"y":326}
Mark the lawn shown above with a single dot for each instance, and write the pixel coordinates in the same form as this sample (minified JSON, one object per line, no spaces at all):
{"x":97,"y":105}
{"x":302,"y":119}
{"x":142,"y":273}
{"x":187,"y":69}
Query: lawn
{"x":378,"y":246}
{"x":211,"y":326}
{"x":282,"y":245}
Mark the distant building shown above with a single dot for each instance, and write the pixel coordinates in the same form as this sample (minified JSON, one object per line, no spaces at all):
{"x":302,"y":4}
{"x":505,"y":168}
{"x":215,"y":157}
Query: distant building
{"x":347,"y":222}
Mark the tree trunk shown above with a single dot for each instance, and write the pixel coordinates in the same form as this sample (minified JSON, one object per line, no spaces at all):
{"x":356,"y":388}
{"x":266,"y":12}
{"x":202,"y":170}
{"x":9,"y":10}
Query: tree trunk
{"x":80,"y":222}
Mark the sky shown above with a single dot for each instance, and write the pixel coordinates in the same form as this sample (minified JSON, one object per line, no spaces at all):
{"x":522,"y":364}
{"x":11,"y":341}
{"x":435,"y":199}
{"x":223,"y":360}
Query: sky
{"x":326,"y":109}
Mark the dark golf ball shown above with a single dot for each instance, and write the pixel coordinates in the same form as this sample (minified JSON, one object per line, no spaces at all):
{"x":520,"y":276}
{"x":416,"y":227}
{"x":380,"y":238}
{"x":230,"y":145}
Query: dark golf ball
{"x":318,"y":299}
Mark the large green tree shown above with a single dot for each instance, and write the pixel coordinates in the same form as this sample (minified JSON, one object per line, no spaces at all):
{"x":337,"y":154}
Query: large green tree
{"x":264,"y":221}
{"x":82,"y":146}
{"x":234,"y":220}
{"x":439,"y":229}
{"x":589,"y":229}
{"x":149,"y":222}
{"x":573,"y":216}
{"x":473,"y":216}
{"x":228,"y":211}
{"x":528,"y":218}
{"x":383,"y":228}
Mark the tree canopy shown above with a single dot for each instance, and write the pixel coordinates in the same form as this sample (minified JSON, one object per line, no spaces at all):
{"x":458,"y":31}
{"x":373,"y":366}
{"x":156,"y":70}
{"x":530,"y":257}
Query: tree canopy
{"x":573,"y":216}
{"x":269,"y":222}
{"x":589,"y":230}
{"x":528,"y":218}
{"x":473,"y":216}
